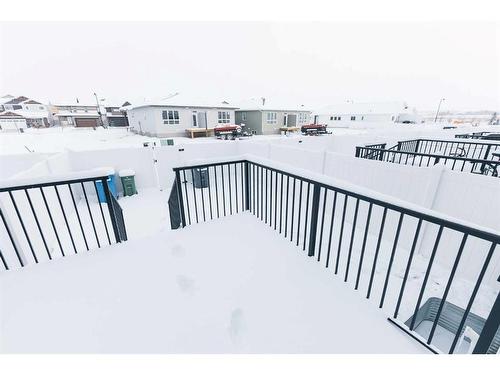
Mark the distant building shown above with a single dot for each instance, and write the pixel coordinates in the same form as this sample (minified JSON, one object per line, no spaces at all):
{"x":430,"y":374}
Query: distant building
{"x":33,"y":112}
{"x":349,"y":113}
{"x":75,"y":114}
{"x":261,"y":117}
{"x":172,"y":116}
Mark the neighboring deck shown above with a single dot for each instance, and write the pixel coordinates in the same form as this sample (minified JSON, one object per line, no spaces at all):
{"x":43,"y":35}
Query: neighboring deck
{"x":228,"y":286}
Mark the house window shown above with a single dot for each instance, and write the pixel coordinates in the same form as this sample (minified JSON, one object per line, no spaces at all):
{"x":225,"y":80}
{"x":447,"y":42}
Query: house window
{"x":362,"y":118}
{"x":303,"y":117}
{"x":353,"y":118}
{"x":339,"y":118}
{"x":243,"y":116}
{"x":331,"y":118}
{"x":272,"y":117}
{"x":170,"y":117}
{"x":224,"y":117}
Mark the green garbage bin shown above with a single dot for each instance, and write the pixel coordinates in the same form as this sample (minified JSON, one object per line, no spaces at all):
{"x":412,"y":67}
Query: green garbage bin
{"x":128,"y":182}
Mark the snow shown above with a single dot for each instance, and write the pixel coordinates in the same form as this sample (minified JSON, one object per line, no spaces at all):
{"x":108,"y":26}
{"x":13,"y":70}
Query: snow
{"x":126,"y":173}
{"x":197,"y":290}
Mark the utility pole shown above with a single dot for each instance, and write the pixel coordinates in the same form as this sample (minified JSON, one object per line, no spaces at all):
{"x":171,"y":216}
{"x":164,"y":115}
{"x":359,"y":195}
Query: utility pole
{"x":439,"y":107}
{"x":99,"y":110}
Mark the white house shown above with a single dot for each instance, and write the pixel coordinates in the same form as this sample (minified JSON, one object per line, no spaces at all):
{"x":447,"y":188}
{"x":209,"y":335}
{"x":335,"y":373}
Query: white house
{"x":172,"y":116}
{"x":377,"y":112}
{"x":12,"y":122}
{"x":35,"y":113}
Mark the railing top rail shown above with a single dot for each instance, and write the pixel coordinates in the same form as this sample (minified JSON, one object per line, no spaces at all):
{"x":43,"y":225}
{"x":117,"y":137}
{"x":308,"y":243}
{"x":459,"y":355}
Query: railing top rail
{"x":461,"y":158}
{"x":73,"y":177}
{"x":482,"y":141}
{"x":365,"y":194}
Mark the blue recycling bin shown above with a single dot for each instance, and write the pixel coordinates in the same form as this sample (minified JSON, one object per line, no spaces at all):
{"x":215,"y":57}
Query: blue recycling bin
{"x":112,"y":188}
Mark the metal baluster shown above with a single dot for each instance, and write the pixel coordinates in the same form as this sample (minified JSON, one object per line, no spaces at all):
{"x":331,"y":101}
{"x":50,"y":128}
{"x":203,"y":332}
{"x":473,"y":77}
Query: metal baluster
{"x":286,"y":209}
{"x":78,"y":216}
{"x":187,"y":195}
{"x":352,"y":239}
{"x":341,"y":233}
{"x":322,"y":224}
{"x":377,"y":249}
{"x":37,"y":223}
{"x":9,"y":233}
{"x":307,"y":216}
{"x":90,"y":214}
{"x":230,"y":191}
{"x":408,"y":267}
{"x":23,"y":227}
{"x":300,"y":209}
{"x":426,"y":277}
{"x":104,"y":182}
{"x":363,"y":246}
{"x":331,"y":229}
{"x":447,"y":288}
{"x":391,"y":260}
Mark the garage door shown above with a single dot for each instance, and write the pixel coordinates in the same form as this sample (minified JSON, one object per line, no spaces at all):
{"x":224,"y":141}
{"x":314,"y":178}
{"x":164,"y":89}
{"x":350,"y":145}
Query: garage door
{"x":86,"y":122}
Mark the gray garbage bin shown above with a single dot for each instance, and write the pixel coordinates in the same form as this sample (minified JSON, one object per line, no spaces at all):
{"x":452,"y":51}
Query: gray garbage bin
{"x":200,"y":177}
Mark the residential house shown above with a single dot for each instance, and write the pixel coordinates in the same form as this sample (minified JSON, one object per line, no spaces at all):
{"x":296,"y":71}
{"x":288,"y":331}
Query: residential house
{"x":10,"y":121}
{"x":345,"y":114}
{"x":33,"y":112}
{"x":116,"y":116}
{"x":75,"y":114}
{"x":172,"y":116}
{"x":261,"y":117}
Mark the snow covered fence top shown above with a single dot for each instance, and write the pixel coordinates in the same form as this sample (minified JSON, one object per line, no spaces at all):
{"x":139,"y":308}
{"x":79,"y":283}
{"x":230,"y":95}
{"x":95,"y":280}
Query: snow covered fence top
{"x":65,"y":178}
{"x":364,"y":193}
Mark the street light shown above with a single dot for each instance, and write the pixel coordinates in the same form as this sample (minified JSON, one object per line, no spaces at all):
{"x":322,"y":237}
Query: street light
{"x":439,"y":107}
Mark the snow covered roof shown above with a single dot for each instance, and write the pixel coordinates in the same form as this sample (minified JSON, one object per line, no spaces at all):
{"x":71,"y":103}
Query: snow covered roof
{"x":10,"y":115}
{"x":6,"y":98}
{"x":366,"y":108}
{"x":183,"y":101}
{"x":263,"y":104}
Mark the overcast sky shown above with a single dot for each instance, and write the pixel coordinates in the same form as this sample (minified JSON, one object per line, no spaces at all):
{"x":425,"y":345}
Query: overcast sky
{"x":314,"y":64}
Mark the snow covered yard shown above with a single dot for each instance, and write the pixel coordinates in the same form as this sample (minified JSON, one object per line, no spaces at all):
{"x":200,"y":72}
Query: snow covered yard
{"x":197,"y":290}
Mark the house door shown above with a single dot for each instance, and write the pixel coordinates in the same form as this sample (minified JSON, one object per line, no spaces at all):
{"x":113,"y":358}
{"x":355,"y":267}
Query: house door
{"x":285,"y":120}
{"x":202,"y":119}
{"x":195,"y":120}
{"x":316,"y":119}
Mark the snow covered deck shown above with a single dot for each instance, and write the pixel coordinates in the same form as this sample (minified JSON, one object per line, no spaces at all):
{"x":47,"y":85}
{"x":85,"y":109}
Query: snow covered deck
{"x":232,"y":285}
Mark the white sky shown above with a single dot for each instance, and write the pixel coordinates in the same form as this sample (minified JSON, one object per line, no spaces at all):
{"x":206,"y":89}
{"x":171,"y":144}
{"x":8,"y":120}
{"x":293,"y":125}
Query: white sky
{"x":314,"y":64}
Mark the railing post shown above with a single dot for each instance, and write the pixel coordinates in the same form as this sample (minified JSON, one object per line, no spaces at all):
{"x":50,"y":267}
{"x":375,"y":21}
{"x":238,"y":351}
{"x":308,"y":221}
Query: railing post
{"x":179,"y":196}
{"x":490,"y":328}
{"x":247,"y":186}
{"x":314,"y":220}
{"x":111,"y":209}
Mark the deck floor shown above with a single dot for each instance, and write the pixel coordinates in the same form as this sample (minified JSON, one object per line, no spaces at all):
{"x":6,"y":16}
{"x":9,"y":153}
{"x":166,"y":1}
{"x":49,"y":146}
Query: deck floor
{"x":232,"y":285}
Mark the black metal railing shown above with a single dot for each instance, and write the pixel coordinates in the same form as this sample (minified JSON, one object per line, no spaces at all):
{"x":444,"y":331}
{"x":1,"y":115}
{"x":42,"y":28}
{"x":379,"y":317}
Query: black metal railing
{"x":463,"y":149}
{"x":373,"y":244}
{"x":473,"y":157}
{"x":43,"y":221}
{"x":475,"y":135}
